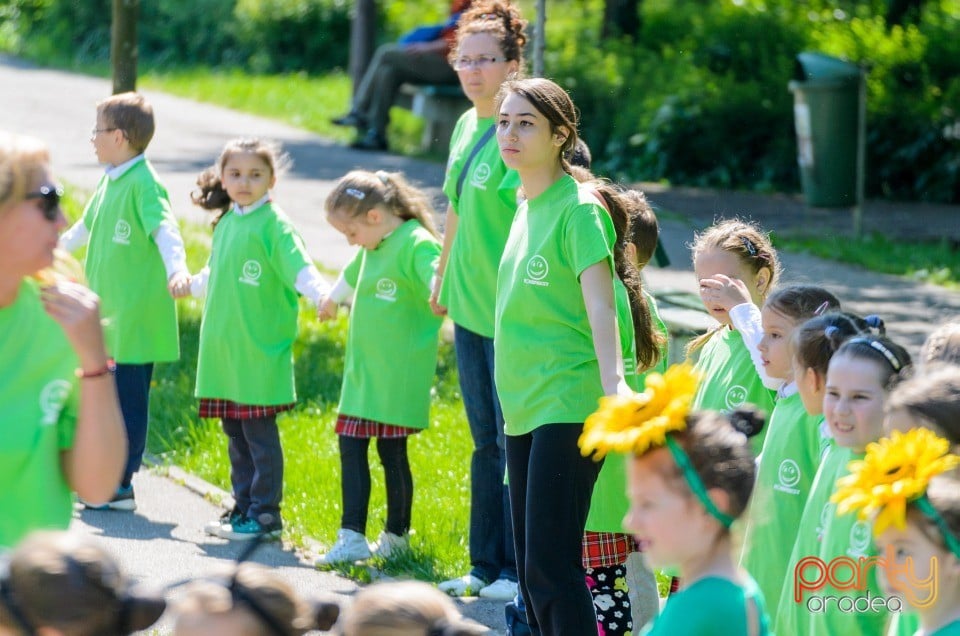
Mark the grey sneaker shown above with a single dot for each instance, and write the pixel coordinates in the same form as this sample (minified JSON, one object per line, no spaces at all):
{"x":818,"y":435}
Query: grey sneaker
{"x":350,"y":546}
{"x":390,"y":545}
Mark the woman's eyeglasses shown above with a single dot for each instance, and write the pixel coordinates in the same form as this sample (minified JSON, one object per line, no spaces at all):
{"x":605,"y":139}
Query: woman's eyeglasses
{"x":480,"y":62}
{"x":49,"y":200}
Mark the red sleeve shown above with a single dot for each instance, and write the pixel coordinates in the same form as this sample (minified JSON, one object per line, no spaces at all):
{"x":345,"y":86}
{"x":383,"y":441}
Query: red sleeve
{"x":450,"y":34}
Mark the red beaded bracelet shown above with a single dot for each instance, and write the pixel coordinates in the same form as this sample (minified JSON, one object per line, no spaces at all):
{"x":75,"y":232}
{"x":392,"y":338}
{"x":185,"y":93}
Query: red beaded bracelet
{"x":110,"y":368}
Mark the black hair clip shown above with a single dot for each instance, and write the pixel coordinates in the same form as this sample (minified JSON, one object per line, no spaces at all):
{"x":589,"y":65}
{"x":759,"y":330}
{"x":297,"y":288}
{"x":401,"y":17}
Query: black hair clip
{"x":748,"y":244}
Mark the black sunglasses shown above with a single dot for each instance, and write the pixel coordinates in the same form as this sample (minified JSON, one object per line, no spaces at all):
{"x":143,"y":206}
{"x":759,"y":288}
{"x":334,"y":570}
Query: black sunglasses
{"x":50,"y":200}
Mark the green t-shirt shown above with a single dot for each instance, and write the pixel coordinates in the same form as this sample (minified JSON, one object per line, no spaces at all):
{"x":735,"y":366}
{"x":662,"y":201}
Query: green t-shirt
{"x":124,"y":266}
{"x":712,"y":606}
{"x":485,"y":209}
{"x":39,"y":393}
{"x":609,"y":503}
{"x":545,"y":364}
{"x":392,"y":341}
{"x":730,"y":380}
{"x":847,"y":536}
{"x":250,"y":314}
{"x":907,"y":623}
{"x":790,"y":458}
{"x":793,"y":617}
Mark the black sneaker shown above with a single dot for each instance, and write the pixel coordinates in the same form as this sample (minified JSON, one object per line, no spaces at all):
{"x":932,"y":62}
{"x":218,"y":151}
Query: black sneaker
{"x":352,"y":119}
{"x":372,"y":140}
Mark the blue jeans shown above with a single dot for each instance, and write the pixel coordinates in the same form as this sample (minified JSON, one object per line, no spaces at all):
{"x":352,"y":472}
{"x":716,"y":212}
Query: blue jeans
{"x":133,"y":392}
{"x":492,"y":553}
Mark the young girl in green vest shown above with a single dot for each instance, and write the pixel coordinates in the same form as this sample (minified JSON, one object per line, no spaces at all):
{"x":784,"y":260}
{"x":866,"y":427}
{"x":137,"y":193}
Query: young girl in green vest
{"x":858,"y":380}
{"x":793,"y":445}
{"x":731,"y":250}
{"x":556,"y":350}
{"x":391,"y":324}
{"x":931,"y":400}
{"x":690,"y":475}
{"x":257,"y":267}
{"x":907,"y":486}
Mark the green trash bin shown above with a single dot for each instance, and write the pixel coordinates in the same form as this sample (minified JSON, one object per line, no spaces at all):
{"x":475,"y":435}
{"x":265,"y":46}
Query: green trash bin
{"x":827,"y":116}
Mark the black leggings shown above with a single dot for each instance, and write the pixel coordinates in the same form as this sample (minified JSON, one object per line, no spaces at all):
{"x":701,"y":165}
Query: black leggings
{"x":355,"y":482}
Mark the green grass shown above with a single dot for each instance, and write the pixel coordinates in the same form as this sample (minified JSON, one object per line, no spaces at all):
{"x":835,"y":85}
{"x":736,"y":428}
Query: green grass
{"x":299,"y":99}
{"x":936,"y":262}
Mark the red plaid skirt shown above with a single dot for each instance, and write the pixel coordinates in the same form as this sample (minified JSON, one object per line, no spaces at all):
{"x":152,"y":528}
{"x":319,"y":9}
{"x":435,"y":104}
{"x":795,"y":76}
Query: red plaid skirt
{"x":350,"y":426}
{"x":603,"y":549}
{"x":214,"y":407}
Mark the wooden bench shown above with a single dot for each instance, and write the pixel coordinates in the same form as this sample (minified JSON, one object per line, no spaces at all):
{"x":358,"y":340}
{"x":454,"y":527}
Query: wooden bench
{"x":440,"y":106}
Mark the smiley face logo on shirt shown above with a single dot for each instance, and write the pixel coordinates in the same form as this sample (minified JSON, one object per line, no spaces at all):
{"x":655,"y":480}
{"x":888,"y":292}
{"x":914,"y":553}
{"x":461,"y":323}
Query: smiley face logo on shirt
{"x":789,"y":473}
{"x":736,"y":396}
{"x":825,"y":516}
{"x":121,"y":232}
{"x":537,"y":267}
{"x":480,"y":176}
{"x":251,"y":272}
{"x":387,"y":289}
{"x":52,"y":398}
{"x":860,"y":537}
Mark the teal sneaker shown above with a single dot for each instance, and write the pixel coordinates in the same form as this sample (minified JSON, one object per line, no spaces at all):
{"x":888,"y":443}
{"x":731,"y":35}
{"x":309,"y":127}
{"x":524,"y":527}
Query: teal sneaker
{"x":228,"y":518}
{"x":246,"y":529}
{"x":122,"y":500}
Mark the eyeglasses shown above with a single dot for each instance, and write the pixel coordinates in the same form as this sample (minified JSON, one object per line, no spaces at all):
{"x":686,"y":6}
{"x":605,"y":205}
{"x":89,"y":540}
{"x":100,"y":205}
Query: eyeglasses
{"x":49,"y":200}
{"x":481,"y":62}
{"x":95,"y":131}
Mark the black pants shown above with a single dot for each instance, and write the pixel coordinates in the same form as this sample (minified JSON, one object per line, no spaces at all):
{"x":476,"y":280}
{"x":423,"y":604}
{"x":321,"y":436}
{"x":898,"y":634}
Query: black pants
{"x":256,"y":465}
{"x":550,"y":489}
{"x":355,"y":482}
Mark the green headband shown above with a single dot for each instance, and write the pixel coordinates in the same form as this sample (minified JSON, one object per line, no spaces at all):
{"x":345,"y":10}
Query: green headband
{"x":924,"y":505}
{"x":696,"y":484}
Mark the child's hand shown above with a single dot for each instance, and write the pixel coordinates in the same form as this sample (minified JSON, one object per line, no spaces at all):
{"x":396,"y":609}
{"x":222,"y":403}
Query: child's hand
{"x":327,"y":310}
{"x":721,"y":290}
{"x":179,"y":285}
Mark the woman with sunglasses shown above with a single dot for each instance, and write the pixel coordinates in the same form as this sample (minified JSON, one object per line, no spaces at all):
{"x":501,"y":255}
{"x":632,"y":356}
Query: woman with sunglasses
{"x":61,"y":429}
{"x":483,"y":200}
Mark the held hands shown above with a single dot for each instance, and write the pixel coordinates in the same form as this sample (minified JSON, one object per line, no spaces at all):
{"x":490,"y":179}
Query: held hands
{"x":77,"y":310}
{"x":435,"y":306}
{"x":327,"y":310}
{"x":179,"y":285}
{"x":724,"y":291}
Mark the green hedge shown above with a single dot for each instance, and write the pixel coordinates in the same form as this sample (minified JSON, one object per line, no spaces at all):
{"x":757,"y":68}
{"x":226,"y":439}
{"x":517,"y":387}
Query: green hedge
{"x":699,"y":98}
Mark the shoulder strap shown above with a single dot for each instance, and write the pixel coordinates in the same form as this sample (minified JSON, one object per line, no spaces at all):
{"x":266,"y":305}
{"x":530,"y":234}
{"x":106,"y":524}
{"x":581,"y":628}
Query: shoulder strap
{"x":473,"y":153}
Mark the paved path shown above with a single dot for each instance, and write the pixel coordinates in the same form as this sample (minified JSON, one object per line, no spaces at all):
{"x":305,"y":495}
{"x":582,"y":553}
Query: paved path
{"x":164,"y":540}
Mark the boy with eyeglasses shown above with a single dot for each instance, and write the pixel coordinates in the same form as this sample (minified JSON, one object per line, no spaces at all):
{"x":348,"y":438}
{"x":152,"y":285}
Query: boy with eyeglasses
{"x":135,"y":262}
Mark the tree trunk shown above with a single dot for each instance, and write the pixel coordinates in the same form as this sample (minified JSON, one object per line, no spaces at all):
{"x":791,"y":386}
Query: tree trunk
{"x":621,"y":17}
{"x":123,"y":45}
{"x":362,"y":33}
{"x":539,"y":38}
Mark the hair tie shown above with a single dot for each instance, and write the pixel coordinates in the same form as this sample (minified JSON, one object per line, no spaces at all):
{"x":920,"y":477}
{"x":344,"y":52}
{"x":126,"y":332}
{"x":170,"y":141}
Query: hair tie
{"x":875,"y":322}
{"x":748,"y":244}
{"x":822,"y":308}
{"x":696,"y":484}
{"x":383,"y":176}
{"x":356,"y":194}
{"x":831,"y":330}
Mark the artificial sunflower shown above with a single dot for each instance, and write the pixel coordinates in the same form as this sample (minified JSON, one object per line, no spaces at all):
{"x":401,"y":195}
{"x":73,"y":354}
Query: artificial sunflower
{"x":634,"y":423}
{"x":895,"y":471}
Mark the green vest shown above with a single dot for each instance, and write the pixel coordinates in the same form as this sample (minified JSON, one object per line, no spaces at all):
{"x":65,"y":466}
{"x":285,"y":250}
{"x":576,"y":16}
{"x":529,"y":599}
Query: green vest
{"x":124,"y":266}
{"x":392,"y":340}
{"x":710,"y":607}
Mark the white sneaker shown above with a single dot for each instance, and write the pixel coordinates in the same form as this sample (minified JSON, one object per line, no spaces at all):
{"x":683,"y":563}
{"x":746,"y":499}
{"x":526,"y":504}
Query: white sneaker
{"x":349,"y":546}
{"x":500,"y":590}
{"x":467,"y":585}
{"x":390,"y":545}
